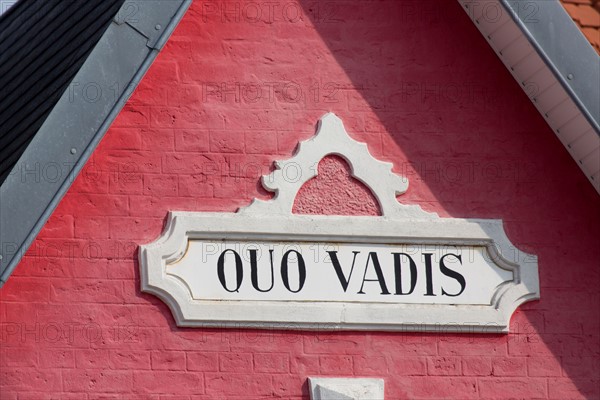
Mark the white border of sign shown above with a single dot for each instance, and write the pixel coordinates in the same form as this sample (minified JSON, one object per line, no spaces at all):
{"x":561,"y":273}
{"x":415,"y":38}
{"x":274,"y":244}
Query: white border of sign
{"x":399,"y":224}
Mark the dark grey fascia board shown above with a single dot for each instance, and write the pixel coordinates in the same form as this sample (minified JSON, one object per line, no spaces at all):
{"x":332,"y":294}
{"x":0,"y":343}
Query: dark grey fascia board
{"x":78,"y":122}
{"x":564,"y":48}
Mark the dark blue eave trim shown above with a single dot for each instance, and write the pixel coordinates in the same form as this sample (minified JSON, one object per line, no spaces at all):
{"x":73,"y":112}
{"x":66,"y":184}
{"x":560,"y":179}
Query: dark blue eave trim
{"x":42,"y":46}
{"x":73,"y":129}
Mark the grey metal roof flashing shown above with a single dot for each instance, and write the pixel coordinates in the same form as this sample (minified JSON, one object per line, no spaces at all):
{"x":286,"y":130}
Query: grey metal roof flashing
{"x":566,"y":51}
{"x":554,"y":64}
{"x":75,"y":126}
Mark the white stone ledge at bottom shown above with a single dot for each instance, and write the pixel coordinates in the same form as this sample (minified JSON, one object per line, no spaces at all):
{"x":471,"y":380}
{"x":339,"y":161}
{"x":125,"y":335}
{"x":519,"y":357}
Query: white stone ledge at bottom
{"x":345,"y":388}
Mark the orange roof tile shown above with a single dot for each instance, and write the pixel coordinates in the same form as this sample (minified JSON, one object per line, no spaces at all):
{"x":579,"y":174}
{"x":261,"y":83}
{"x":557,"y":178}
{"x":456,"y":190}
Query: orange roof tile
{"x":588,"y":2}
{"x":586,"y":14}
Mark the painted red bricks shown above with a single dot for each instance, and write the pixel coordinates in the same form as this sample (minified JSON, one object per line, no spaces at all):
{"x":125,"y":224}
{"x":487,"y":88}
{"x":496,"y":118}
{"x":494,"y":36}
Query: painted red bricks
{"x":228,"y":96}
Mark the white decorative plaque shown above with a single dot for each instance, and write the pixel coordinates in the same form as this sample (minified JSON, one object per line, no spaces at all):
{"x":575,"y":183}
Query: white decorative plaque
{"x":407,"y":270}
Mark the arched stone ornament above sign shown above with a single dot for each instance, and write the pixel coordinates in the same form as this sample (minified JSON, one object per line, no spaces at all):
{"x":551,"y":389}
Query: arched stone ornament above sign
{"x":406,"y":270}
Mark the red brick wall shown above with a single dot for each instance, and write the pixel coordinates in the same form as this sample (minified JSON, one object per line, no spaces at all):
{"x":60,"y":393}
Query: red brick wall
{"x":417,"y":83}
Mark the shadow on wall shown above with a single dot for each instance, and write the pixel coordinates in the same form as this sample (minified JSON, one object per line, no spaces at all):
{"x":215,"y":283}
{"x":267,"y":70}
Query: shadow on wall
{"x":472,"y":140}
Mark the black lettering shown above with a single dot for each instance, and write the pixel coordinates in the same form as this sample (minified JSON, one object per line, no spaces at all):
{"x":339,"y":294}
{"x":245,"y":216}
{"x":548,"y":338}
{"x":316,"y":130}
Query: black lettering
{"x":301,"y":271}
{"x":254,"y":271}
{"x":378,"y":271}
{"x":453,"y":274}
{"x":239,"y":271}
{"x":338,"y":268}
{"x":398,"y":272}
{"x":428,"y":274}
